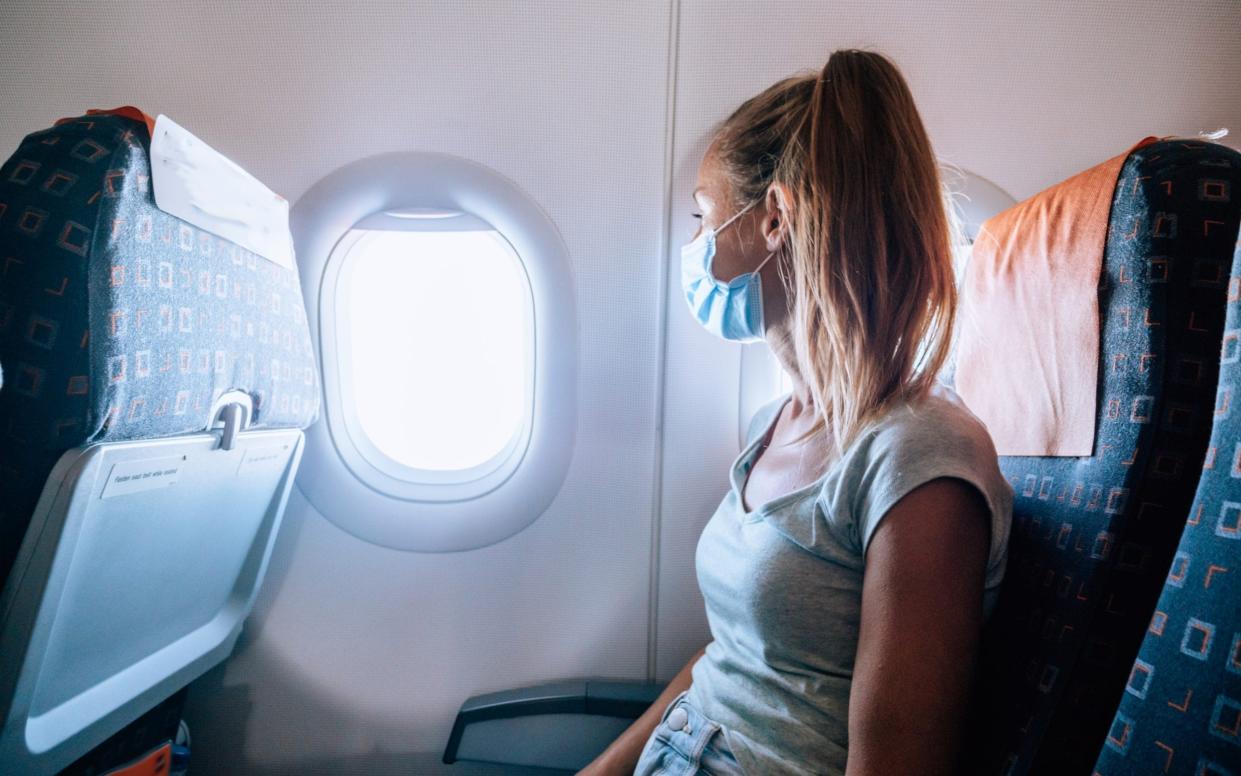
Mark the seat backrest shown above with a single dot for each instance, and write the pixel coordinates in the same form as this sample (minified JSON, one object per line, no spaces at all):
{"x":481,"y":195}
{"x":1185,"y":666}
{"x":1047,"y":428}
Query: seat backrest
{"x":119,"y":321}
{"x":1180,"y":711}
{"x":1093,"y":536}
{"x":157,"y":376}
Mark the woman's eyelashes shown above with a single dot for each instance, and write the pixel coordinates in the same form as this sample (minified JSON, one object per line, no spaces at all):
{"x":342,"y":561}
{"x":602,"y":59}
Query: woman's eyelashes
{"x":697,"y":215}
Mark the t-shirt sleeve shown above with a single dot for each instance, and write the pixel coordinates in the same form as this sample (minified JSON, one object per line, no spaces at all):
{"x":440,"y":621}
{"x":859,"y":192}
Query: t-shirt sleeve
{"x":917,"y":447}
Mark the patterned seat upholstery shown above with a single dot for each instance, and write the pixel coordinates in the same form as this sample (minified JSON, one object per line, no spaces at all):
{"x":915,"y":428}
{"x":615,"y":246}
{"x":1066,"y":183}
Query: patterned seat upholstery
{"x":1093,"y":537}
{"x":1180,"y":711}
{"x":119,"y":321}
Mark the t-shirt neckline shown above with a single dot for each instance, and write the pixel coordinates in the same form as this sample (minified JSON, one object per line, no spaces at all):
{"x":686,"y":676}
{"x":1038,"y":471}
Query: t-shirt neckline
{"x":739,"y":480}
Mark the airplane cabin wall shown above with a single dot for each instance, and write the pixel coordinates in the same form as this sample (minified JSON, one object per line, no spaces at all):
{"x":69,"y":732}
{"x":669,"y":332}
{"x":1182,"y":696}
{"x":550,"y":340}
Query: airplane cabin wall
{"x":357,"y":656}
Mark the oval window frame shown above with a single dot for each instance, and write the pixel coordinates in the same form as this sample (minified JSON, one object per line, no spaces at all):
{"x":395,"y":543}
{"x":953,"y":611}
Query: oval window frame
{"x":335,"y":476}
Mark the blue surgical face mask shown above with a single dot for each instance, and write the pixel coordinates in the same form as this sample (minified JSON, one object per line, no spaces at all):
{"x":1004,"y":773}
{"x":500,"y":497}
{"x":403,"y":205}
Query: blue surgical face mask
{"x":732,"y":310}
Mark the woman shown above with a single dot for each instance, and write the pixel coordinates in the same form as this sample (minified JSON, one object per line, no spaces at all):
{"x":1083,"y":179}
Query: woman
{"x":849,"y":569}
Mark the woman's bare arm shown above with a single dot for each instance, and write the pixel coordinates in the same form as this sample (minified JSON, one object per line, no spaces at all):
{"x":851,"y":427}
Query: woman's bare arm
{"x":622,"y":755}
{"x":919,"y":634}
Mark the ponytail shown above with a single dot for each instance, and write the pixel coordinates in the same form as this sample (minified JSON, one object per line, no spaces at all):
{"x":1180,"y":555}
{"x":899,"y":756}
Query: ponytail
{"x":868,"y":261}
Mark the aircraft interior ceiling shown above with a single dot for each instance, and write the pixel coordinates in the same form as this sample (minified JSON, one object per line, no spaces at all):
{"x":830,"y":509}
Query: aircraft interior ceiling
{"x":361,"y":648}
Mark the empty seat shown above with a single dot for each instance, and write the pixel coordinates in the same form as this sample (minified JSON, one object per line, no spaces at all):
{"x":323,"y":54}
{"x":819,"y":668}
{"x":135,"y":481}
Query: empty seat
{"x":1093,"y":537}
{"x":156,"y":376}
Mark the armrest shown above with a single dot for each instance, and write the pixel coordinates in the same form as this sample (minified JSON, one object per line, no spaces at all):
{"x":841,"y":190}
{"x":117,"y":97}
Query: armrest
{"x":561,"y":724}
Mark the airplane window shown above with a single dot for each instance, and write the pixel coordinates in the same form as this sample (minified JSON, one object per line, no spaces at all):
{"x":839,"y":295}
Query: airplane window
{"x":436,"y":327}
{"x":443,"y":310}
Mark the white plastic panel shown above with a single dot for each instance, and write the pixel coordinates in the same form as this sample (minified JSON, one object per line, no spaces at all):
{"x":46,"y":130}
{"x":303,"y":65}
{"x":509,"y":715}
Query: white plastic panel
{"x":140,"y":564}
{"x":196,"y":183}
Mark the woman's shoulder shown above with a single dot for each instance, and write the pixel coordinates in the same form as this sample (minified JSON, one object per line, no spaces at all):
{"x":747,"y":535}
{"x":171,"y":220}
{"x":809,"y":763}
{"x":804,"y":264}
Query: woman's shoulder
{"x":940,"y":421}
{"x":917,"y":441}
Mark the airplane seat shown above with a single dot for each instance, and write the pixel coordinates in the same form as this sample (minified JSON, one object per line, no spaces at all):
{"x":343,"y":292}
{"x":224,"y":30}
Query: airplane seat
{"x":157,"y":378}
{"x":1180,"y":711}
{"x":1093,"y":536}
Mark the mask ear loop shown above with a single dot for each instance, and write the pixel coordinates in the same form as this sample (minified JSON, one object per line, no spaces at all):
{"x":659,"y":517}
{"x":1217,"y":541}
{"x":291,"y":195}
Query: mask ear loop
{"x":779,"y":272}
{"x":767,"y":258}
{"x":735,"y":216}
{"x":712,"y":234}
{"x":784,"y":264}
{"x":761,"y":263}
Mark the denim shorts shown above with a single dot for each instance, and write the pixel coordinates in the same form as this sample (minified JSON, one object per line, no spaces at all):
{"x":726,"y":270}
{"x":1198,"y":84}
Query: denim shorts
{"x":686,"y":743}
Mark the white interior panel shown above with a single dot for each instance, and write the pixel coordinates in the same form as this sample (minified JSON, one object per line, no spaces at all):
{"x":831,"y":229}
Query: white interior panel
{"x":358,"y":650}
{"x":1023,"y":94}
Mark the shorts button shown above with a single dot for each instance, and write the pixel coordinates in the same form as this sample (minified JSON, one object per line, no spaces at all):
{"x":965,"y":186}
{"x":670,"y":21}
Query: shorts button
{"x":677,"y":718}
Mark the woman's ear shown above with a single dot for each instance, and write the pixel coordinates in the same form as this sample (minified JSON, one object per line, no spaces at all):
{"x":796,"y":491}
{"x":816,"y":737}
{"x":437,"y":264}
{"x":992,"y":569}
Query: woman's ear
{"x":778,"y":206}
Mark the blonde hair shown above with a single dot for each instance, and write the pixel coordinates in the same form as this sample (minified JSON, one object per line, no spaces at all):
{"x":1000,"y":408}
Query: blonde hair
{"x":872,"y":291}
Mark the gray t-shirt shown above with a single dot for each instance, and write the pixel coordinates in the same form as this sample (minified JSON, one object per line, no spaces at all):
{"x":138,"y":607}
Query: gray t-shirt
{"x":783,"y":583}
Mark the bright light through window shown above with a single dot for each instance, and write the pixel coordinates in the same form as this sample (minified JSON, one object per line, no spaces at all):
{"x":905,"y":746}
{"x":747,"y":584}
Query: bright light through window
{"x":439,"y":345}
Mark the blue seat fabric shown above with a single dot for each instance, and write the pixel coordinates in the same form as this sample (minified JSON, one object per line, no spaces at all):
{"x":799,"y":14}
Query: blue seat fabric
{"x":119,"y":321}
{"x":1093,"y":537}
{"x":1180,"y":712}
